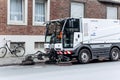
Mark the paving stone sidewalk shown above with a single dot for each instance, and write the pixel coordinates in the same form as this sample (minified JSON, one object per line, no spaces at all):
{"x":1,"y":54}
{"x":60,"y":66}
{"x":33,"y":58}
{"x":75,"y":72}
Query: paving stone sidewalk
{"x":6,"y":61}
{"x":12,"y":60}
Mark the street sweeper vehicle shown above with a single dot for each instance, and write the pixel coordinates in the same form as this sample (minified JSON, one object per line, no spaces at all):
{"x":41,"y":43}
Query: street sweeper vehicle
{"x":82,"y":40}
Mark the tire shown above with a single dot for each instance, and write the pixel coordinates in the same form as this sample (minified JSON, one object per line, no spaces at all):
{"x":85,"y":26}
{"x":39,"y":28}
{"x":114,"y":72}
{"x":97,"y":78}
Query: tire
{"x":3,"y":52}
{"x":19,"y":51}
{"x":114,"y":54}
{"x":84,"y":56}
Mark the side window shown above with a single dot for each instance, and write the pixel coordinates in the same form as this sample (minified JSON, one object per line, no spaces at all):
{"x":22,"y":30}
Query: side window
{"x":73,"y":25}
{"x":112,"y":13}
{"x":39,"y":45}
{"x":76,"y":25}
{"x":41,"y":11}
{"x":77,"y":10}
{"x":15,"y":44}
{"x":17,"y":12}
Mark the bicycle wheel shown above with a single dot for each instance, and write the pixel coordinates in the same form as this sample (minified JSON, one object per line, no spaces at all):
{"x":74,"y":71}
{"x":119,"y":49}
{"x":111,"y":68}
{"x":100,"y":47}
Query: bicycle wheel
{"x":19,"y":51}
{"x":3,"y":52}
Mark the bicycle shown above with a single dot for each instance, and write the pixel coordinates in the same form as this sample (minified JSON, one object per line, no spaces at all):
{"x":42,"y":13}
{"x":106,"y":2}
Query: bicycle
{"x":18,"y":51}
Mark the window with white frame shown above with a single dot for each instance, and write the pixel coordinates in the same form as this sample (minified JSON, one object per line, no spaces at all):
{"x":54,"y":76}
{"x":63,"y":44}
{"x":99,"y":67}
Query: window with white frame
{"x":40,"y":11}
{"x":77,"y":10}
{"x":17,"y":12}
{"x":39,"y":45}
{"x":112,"y":13}
{"x":16,"y":44}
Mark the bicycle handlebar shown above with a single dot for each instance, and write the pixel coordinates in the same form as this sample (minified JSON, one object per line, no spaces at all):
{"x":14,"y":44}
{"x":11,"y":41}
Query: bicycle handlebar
{"x":6,"y":40}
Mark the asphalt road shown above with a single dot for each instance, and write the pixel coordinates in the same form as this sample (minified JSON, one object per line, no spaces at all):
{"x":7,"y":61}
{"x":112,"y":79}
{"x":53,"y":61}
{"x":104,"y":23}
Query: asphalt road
{"x":91,"y":71}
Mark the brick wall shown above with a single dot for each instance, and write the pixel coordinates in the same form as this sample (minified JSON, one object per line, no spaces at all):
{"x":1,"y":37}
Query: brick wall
{"x":95,"y":9}
{"x":58,"y":9}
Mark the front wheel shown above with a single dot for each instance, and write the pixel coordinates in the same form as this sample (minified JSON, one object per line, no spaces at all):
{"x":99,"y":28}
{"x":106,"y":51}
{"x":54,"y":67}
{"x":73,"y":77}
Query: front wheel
{"x":114,"y":54}
{"x":84,"y":56}
{"x":19,"y":51}
{"x":3,"y":52}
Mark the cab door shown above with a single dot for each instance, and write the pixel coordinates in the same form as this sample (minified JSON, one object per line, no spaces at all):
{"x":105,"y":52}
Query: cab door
{"x":70,"y":29}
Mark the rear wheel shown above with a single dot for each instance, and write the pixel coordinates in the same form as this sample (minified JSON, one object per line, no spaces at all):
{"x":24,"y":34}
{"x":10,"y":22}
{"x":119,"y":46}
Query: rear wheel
{"x":19,"y":51}
{"x":84,"y":56}
{"x":114,"y":54}
{"x":3,"y":52}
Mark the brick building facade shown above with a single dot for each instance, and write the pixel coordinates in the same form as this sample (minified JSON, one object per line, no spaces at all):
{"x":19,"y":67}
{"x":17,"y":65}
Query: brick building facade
{"x":22,"y":20}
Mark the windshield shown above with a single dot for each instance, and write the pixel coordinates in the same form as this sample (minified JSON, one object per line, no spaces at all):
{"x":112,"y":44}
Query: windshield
{"x":54,"y":32}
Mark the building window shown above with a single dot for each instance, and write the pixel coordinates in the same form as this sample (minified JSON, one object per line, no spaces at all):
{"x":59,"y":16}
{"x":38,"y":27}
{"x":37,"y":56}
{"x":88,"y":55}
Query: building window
{"x":17,"y":12}
{"x":77,"y":10}
{"x":39,"y":45}
{"x":16,"y":44}
{"x":112,"y":13}
{"x":40,"y":11}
